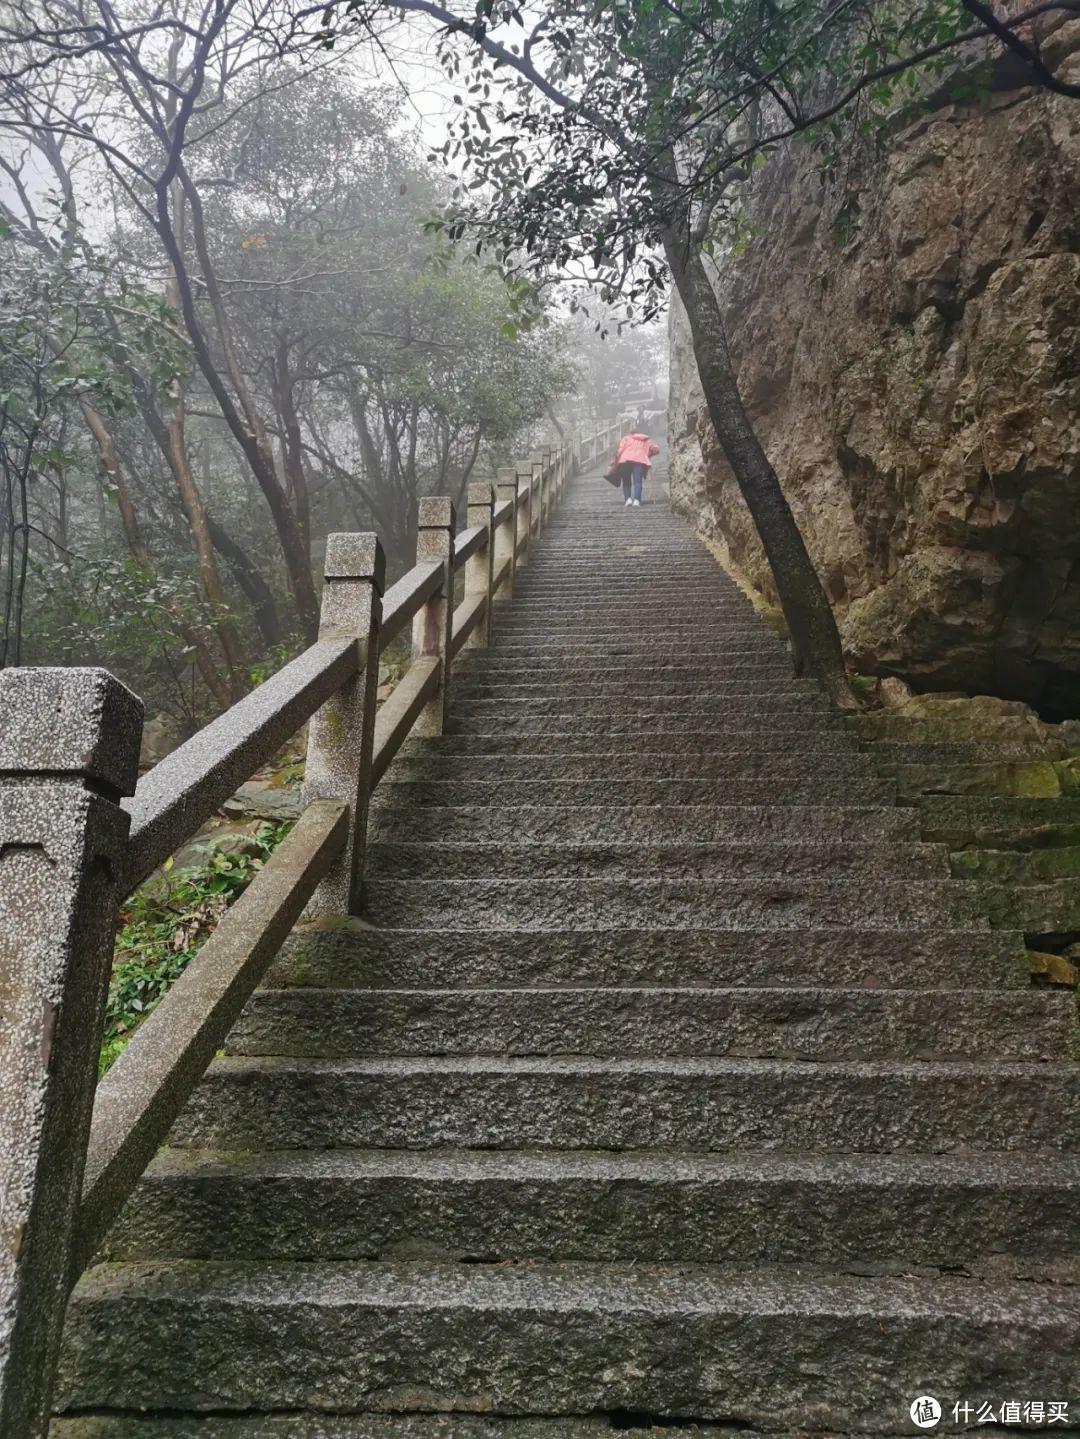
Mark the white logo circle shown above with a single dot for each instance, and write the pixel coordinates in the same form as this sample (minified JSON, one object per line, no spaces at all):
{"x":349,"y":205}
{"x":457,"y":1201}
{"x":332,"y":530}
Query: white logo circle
{"x":925,"y":1411}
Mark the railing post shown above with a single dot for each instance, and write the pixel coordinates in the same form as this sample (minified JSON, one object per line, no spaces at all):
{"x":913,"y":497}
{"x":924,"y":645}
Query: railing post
{"x":341,"y":732}
{"x":525,"y":481}
{"x":433,"y":624}
{"x":506,"y":536}
{"x":69,"y":748}
{"x":540,"y":480}
{"x":480,"y":567}
{"x":546,"y":479}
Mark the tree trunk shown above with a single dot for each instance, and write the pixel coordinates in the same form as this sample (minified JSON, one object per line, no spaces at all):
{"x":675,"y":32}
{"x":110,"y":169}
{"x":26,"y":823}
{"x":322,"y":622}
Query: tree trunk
{"x":247,"y":428}
{"x":113,"y":475}
{"x":249,"y":579}
{"x":176,"y":454}
{"x":292,"y":445}
{"x":209,"y":579}
{"x":811,"y":623}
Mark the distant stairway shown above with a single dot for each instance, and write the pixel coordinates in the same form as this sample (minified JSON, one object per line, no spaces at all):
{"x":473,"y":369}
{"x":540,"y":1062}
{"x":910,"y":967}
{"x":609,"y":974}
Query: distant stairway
{"x":714,"y":1100}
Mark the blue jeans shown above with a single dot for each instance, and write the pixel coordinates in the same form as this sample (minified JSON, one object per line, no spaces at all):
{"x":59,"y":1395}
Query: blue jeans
{"x":635,"y":478}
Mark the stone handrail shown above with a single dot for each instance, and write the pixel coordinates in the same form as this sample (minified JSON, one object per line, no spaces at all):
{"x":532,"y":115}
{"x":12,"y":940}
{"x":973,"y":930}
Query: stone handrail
{"x":72,"y":846}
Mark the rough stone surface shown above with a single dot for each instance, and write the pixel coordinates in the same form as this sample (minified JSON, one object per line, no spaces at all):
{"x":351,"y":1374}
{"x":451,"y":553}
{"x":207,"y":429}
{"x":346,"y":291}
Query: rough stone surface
{"x":576,"y":1103}
{"x":784,"y":789}
{"x":670,"y":1340}
{"x":350,"y":952}
{"x":721,"y":904}
{"x":916,"y":389}
{"x":263,"y":801}
{"x":581,"y":823}
{"x":362,"y":1426}
{"x":63,"y":844}
{"x":732,"y":765}
{"x":668,"y":861}
{"x":961,"y":820}
{"x":74,"y":723}
{"x":760,"y":1023}
{"x":650,"y":1206}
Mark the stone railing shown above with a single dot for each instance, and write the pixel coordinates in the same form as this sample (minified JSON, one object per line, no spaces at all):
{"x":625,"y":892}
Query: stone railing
{"x":72,"y":847}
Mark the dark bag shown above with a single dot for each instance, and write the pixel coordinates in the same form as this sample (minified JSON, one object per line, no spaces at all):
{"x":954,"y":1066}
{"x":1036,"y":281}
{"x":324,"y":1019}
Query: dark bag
{"x":614,"y":473}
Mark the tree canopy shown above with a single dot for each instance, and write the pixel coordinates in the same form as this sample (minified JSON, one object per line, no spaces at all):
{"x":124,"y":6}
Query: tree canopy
{"x":227,"y":331}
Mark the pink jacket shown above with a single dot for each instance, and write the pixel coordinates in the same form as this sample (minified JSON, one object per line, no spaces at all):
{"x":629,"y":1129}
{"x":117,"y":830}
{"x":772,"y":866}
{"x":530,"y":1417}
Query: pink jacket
{"x":636,"y":450}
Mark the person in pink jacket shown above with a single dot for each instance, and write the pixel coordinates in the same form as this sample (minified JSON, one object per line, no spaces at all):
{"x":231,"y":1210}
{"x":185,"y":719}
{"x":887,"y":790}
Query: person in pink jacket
{"x":634,"y":456}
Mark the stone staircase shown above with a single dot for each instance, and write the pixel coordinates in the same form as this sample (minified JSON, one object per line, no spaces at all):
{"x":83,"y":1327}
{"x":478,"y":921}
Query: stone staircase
{"x":669,"y":1080}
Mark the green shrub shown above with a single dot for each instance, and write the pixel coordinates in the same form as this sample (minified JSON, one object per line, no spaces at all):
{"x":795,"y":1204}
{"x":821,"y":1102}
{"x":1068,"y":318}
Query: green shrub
{"x":167,"y":920}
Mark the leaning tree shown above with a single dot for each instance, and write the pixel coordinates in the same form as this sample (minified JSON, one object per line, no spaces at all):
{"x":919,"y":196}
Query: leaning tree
{"x":614,"y":143}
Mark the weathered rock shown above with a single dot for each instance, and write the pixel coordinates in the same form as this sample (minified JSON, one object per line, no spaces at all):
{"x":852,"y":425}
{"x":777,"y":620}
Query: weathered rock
{"x":893,"y":691}
{"x":916,"y":388}
{"x":958,"y":716}
{"x":160,"y":736}
{"x":1053,"y":968}
{"x":1008,"y":866}
{"x":262,"y":800}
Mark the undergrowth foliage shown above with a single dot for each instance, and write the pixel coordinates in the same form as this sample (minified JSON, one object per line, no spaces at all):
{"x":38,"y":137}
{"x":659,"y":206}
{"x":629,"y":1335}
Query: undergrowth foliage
{"x":168,"y":920}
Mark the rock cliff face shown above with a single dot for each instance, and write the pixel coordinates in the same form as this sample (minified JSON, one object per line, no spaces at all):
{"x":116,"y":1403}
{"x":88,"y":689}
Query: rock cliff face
{"x":916,"y":387}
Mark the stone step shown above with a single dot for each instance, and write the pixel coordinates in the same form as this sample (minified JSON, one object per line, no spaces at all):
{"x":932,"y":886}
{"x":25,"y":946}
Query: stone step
{"x":671,"y":646}
{"x":607,"y":587}
{"x":653,"y":594}
{"x":613,"y":596}
{"x":500,"y":669}
{"x":895,"y":752}
{"x":342,"y":953}
{"x":717,"y":700}
{"x":653,"y":1207}
{"x":611,"y":582}
{"x":1041,"y":908}
{"x":596,"y":824}
{"x":1016,"y":866}
{"x":609,"y":694}
{"x":645,"y":725}
{"x":129,"y":1424}
{"x":1035,"y":778}
{"x":763,"y":680}
{"x":1000,"y":823}
{"x":693,"y":743}
{"x":579,"y":622}
{"x":596,"y":627}
{"x":787,"y":1023}
{"x":826,"y":860}
{"x":557,"y":1339}
{"x":631,"y":1103}
{"x":630,"y":764}
{"x":482,"y":903}
{"x":813,"y":789}
{"x":562,"y":563}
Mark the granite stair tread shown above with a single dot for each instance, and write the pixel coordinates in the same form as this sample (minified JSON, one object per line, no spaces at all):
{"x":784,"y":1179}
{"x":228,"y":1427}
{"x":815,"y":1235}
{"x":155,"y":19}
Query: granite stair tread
{"x":794,"y":859}
{"x":490,"y":1205}
{"x":796,"y":1023}
{"x":241,"y":1337}
{"x":595,"y":822}
{"x":341,"y":953}
{"x":582,"y":1102}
